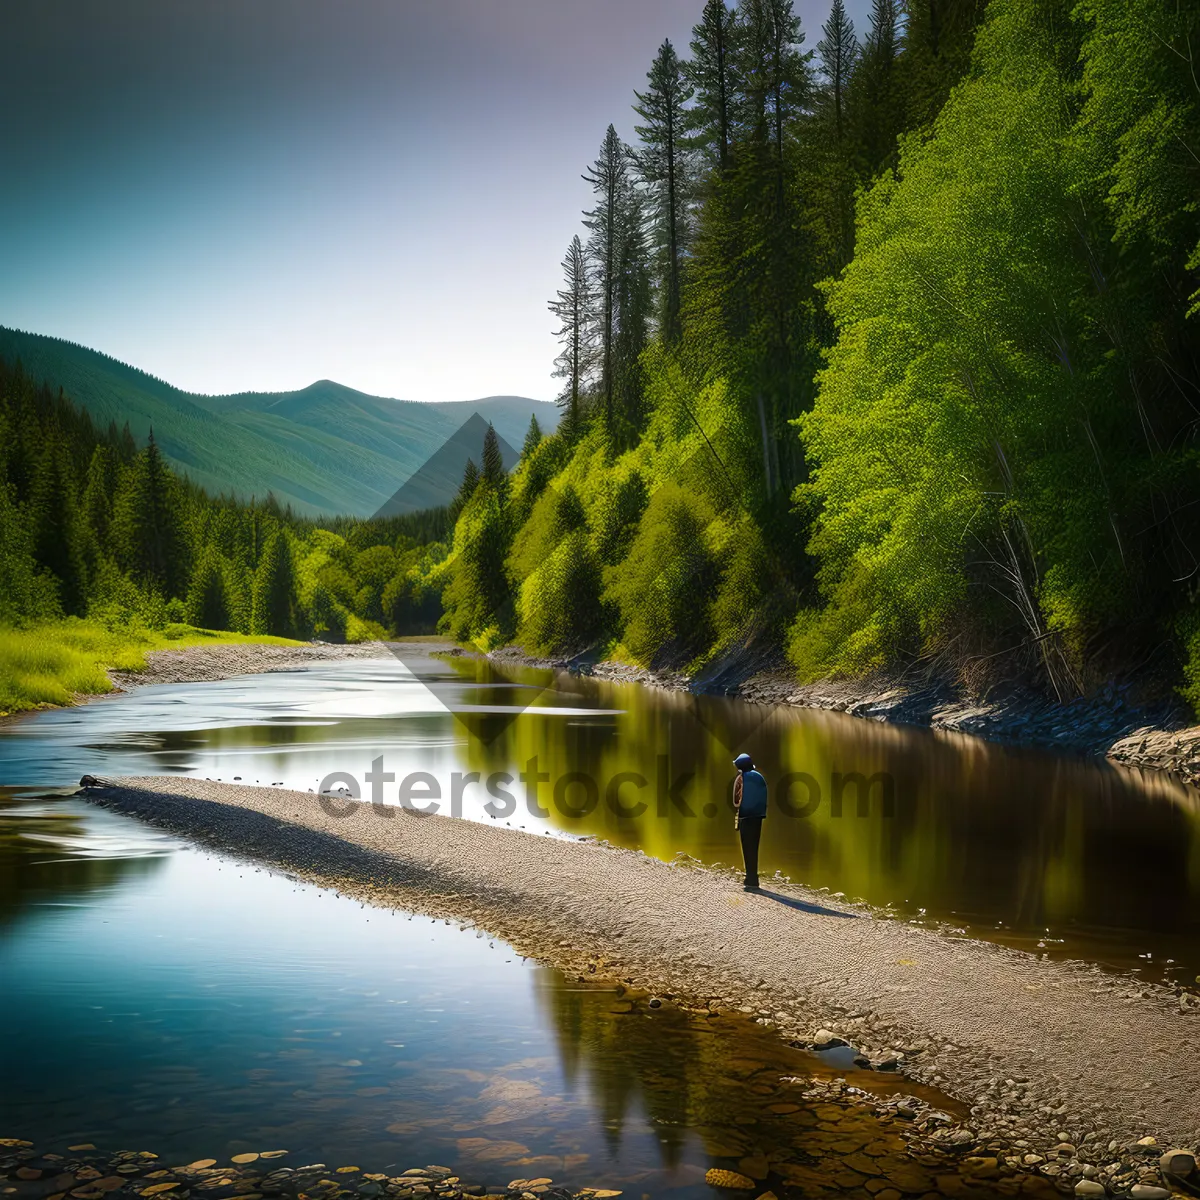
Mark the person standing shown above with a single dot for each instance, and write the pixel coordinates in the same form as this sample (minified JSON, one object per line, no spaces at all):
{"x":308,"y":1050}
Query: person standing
{"x":750,"y":808}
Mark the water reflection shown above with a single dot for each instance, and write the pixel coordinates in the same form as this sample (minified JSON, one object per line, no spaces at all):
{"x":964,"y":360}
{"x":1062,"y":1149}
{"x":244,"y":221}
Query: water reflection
{"x":204,"y":1007}
{"x":53,"y":855}
{"x":1051,"y":853}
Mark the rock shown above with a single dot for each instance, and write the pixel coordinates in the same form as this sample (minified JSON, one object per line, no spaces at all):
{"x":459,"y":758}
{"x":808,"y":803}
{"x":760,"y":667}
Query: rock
{"x":1147,"y":1191}
{"x":755,"y":1166}
{"x":1089,"y":1187}
{"x":244,"y":1158}
{"x":716,"y":1177}
{"x":1180,"y":1163}
{"x":1147,"y":1141}
{"x":980,"y":1168}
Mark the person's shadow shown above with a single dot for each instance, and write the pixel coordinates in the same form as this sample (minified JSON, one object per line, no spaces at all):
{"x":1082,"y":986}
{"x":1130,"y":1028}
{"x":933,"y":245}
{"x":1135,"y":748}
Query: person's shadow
{"x":815,"y":910}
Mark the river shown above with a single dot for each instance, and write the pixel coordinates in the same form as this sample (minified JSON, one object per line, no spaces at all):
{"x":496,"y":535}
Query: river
{"x":1054,"y":853}
{"x":162,"y":997}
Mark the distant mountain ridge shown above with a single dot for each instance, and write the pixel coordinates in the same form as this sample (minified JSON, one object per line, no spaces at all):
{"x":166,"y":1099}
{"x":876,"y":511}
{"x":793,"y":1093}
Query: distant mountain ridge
{"x":325,"y":449}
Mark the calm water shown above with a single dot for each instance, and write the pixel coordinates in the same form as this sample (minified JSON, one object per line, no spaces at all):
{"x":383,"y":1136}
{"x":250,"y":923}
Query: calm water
{"x":157,"y":997}
{"x":1048,"y":852}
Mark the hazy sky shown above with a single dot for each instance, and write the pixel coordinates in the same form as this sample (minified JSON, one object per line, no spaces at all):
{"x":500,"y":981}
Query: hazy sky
{"x":255,"y":194}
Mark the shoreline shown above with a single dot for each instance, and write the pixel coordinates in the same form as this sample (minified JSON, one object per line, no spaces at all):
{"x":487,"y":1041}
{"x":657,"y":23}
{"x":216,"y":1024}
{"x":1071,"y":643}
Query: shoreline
{"x":1109,"y":725}
{"x":227,"y":660}
{"x":1065,"y":1068}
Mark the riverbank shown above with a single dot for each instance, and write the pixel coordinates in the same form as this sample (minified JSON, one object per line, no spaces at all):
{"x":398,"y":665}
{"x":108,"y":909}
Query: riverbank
{"x":1065,"y":1069}
{"x":1113,"y":723}
{"x":206,"y":663}
{"x":58,"y":663}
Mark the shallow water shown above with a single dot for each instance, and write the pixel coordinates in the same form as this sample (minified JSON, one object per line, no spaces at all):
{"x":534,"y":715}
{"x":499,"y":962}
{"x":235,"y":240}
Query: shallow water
{"x":161,"y":998}
{"x":1052,"y":853}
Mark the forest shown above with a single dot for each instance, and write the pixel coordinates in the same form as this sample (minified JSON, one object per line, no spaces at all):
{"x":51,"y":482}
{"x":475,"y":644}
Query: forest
{"x":877,"y":353}
{"x":882,"y":352}
{"x":104,"y":549}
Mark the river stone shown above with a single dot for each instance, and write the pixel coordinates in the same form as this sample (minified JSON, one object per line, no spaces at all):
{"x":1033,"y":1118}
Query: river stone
{"x":1180,"y":1163}
{"x":1147,"y":1191}
{"x":1089,"y":1187}
{"x":755,"y":1166}
{"x":718,"y":1177}
{"x":978,"y":1167}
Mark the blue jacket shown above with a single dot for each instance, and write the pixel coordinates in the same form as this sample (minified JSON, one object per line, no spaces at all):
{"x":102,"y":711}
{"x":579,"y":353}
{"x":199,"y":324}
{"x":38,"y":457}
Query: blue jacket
{"x":754,"y":795}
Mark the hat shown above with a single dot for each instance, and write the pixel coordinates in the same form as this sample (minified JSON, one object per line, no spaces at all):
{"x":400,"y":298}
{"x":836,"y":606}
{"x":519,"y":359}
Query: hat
{"x":743,"y":762}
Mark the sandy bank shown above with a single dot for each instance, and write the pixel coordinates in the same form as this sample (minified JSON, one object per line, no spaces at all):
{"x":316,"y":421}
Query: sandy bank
{"x":1043,"y":1052}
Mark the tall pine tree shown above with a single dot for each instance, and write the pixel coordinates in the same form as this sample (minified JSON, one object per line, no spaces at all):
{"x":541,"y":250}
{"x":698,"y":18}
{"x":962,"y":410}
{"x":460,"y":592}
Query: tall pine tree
{"x":148,"y":524}
{"x":710,"y":119}
{"x":609,"y":178}
{"x":572,"y":305}
{"x":664,"y":167}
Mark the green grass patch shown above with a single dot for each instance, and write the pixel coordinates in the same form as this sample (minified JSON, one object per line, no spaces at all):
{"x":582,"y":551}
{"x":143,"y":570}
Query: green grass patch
{"x":56,"y":662}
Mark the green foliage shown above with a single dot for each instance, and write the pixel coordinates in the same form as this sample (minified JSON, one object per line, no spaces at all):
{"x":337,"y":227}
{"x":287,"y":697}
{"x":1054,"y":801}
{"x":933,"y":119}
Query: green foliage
{"x":148,"y":524}
{"x":1191,"y":672}
{"x":275,"y":603}
{"x":553,"y":558}
{"x":51,"y":663}
{"x":664,"y":587}
{"x":90,"y":524}
{"x":976,"y":440}
{"x":477,"y":596}
{"x":209,"y":605}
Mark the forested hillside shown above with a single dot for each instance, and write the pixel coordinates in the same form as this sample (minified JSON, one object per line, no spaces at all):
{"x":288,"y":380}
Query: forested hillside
{"x":879,"y":345}
{"x":325,"y":450}
{"x":94,"y":525}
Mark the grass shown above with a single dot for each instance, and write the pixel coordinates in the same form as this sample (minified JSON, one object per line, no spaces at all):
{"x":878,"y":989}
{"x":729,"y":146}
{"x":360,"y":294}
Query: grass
{"x":56,"y":662}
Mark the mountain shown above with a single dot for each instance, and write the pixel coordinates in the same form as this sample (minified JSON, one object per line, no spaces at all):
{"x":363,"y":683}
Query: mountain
{"x":326,"y":449}
{"x":437,"y":480}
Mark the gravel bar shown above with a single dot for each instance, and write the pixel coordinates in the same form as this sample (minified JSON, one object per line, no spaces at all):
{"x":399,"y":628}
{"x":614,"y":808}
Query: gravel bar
{"x":1072,"y":1066}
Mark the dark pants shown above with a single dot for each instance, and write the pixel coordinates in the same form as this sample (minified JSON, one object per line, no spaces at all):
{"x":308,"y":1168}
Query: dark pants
{"x":750,"y":829}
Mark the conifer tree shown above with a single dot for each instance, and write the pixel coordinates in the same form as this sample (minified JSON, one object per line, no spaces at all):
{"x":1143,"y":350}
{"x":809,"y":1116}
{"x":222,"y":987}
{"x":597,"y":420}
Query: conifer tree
{"x":572,"y":305}
{"x":711,"y":73}
{"x":276,"y":606}
{"x":664,"y":168}
{"x":938,"y":37}
{"x":493,"y":473}
{"x":609,"y":177}
{"x":58,"y":540}
{"x":875,"y":95}
{"x":99,"y":493}
{"x":148,"y":523}
{"x":466,"y":489}
{"x":836,"y":52}
{"x":208,"y":602}
{"x":533,"y":437}
{"x":633,"y":304}
{"x":830,"y":171}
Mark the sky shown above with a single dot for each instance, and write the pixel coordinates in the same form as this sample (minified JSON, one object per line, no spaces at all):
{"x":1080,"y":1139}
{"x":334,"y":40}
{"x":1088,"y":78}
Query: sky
{"x":247,"y":195}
